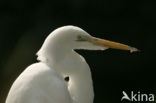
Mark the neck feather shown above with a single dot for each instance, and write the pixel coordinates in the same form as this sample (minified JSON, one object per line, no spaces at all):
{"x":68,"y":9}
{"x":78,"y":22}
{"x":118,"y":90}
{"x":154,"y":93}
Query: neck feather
{"x":68,"y":63}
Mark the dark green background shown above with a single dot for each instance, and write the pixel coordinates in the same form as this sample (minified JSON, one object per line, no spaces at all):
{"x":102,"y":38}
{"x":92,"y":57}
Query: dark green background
{"x":24,"y":24}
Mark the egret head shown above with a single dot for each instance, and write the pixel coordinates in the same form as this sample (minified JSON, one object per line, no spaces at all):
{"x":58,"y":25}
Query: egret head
{"x":67,"y":38}
{"x":72,"y":37}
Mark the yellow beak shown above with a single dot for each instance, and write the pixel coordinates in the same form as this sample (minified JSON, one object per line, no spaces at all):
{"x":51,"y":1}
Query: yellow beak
{"x":111,"y":44}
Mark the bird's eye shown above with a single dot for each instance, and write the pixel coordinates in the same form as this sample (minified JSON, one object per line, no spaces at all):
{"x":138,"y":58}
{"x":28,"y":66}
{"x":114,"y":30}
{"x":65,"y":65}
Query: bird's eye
{"x":67,"y":78}
{"x":80,"y":38}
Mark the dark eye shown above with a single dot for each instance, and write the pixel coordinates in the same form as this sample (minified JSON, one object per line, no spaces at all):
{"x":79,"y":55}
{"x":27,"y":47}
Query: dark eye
{"x":80,"y":38}
{"x":67,"y":78}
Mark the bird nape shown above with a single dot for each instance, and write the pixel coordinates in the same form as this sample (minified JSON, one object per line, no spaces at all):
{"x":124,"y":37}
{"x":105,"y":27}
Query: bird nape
{"x":61,"y":75}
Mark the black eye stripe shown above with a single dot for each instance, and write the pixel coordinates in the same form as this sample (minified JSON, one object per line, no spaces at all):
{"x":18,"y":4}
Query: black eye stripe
{"x":80,"y":38}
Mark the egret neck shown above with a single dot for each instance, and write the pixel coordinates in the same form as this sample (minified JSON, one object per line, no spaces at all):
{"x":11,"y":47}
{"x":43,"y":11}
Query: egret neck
{"x":80,"y":80}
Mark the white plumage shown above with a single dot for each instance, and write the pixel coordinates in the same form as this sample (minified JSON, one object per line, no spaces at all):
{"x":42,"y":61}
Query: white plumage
{"x":44,"y":82}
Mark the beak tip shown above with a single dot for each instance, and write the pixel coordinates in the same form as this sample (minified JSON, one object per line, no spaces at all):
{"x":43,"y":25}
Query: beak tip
{"x":134,"y":50}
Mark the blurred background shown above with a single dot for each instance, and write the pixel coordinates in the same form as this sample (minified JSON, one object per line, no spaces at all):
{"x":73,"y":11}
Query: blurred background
{"x":24,"y":24}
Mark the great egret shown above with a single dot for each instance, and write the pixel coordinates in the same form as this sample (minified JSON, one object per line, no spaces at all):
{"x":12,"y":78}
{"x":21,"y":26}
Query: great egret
{"x":62,"y":75}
